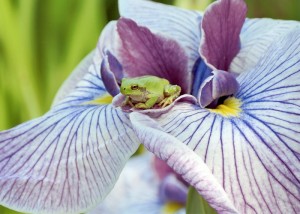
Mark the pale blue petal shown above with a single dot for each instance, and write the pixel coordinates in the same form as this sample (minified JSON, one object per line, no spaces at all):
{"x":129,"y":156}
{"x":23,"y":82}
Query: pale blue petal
{"x":255,"y":156}
{"x":173,"y":22}
{"x":256,"y":37}
{"x":137,"y":190}
{"x":69,"y":159}
{"x":184,"y":161}
{"x":65,"y":161}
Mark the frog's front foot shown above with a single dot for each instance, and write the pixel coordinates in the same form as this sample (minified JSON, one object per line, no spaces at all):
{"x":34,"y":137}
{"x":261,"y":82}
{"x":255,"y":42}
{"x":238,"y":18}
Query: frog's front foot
{"x":167,"y":101}
{"x":126,"y":102}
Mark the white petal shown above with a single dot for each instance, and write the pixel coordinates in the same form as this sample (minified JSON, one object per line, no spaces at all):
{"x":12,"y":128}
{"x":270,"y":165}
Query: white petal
{"x":182,"y":160}
{"x":256,"y":156}
{"x":256,"y":37}
{"x":66,"y":161}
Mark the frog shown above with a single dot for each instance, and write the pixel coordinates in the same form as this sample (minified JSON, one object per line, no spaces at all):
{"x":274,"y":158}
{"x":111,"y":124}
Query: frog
{"x":144,"y":92}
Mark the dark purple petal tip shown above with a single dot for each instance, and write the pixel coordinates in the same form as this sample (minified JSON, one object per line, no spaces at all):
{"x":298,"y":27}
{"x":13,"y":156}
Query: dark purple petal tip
{"x":144,"y":53}
{"x":221,"y":27}
{"x":111,"y":73}
{"x":220,"y":84}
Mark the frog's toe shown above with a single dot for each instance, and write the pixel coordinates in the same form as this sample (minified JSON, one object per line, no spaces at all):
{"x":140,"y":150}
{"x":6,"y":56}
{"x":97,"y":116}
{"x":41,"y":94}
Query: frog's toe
{"x":165,"y":102}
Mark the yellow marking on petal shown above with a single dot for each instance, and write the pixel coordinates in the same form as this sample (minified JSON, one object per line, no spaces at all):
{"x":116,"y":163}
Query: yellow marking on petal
{"x":231,"y":107}
{"x":171,"y":207}
{"x":103,"y":100}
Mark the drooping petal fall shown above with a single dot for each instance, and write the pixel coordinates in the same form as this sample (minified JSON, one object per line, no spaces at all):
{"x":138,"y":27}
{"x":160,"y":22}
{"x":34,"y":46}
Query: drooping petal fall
{"x":183,"y":160}
{"x":69,"y":159}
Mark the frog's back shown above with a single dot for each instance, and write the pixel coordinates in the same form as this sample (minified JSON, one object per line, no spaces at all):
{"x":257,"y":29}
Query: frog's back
{"x":153,"y":83}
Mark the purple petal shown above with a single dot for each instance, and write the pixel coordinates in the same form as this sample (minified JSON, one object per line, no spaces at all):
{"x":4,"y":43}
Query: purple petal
{"x":169,"y":21}
{"x":221,"y":26}
{"x":220,"y":84}
{"x":172,"y":189}
{"x":111,"y":73}
{"x":144,"y":53}
{"x":183,"y":160}
{"x":256,"y":156}
{"x":256,"y":37}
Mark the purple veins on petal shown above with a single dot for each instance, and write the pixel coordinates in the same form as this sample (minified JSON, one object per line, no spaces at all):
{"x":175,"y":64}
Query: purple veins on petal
{"x":254,"y":156}
{"x":182,"y":160}
{"x":221,"y":27}
{"x":144,"y":53}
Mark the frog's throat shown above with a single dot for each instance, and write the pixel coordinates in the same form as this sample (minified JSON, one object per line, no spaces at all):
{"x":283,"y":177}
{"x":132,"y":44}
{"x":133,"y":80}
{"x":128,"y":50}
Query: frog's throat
{"x":231,"y":107}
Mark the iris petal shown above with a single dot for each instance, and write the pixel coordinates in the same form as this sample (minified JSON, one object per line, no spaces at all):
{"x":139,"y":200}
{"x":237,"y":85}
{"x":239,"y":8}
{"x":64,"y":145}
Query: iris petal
{"x":69,"y":159}
{"x":111,"y":73}
{"x":257,"y":36}
{"x":220,"y":84}
{"x":66,"y":161}
{"x":183,"y":160}
{"x":221,"y":26}
{"x":75,"y":77}
{"x":89,"y":71}
{"x":145,"y":53}
{"x":254,"y":156}
{"x":168,"y":21}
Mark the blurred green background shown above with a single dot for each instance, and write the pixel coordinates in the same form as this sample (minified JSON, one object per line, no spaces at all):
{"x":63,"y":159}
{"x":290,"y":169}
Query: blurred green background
{"x":41,"y":41}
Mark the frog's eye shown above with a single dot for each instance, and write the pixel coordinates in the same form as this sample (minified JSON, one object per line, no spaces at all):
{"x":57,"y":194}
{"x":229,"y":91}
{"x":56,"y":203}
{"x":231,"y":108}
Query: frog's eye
{"x":134,"y":87}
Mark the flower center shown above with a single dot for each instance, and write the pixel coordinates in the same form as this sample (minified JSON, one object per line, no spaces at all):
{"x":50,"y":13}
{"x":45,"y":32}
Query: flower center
{"x":231,"y":107}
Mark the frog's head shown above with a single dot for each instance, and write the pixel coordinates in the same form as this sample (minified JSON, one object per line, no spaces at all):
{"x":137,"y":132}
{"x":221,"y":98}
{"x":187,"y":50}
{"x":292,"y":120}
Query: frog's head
{"x":131,"y":86}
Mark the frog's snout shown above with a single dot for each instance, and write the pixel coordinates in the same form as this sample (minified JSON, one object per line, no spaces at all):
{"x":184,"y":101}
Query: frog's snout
{"x":122,"y":90}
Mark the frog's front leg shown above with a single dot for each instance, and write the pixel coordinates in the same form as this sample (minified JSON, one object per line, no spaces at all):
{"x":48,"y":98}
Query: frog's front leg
{"x":127,"y":101}
{"x":171,"y":92}
{"x":149,"y":103}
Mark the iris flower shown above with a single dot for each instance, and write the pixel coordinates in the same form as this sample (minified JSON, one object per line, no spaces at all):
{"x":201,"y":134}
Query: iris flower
{"x":233,"y":134}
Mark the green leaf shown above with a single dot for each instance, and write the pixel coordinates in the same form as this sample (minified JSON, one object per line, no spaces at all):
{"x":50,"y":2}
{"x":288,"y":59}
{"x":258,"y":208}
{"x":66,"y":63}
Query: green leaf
{"x":196,"y":204}
{"x":4,"y":210}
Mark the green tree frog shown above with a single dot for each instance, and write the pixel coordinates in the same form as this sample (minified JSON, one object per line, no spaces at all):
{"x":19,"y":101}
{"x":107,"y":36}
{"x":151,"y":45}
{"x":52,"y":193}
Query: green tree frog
{"x":146,"y":91}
